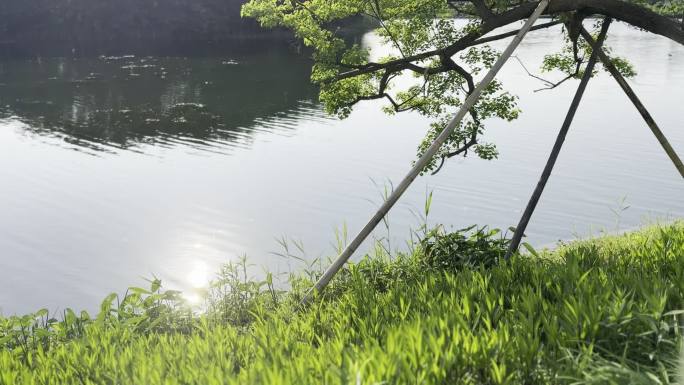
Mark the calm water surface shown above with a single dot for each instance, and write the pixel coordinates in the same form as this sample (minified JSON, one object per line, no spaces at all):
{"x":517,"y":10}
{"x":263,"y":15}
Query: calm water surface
{"x":115,"y":169}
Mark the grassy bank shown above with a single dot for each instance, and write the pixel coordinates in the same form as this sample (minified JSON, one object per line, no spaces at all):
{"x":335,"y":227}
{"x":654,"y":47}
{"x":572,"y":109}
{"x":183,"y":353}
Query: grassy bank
{"x":598,"y":311}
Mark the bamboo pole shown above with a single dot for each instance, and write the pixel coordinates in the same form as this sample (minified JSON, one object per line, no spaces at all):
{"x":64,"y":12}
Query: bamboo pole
{"x":637,"y":103}
{"x":425,"y":158}
{"x":553,"y":157}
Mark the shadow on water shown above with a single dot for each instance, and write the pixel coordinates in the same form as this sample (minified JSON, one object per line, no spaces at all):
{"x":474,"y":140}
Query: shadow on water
{"x":112,"y":103}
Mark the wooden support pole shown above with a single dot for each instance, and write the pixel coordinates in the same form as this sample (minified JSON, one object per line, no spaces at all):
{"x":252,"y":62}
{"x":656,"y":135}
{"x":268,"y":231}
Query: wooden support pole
{"x":637,"y":103}
{"x":425,"y":158}
{"x":551,"y":162}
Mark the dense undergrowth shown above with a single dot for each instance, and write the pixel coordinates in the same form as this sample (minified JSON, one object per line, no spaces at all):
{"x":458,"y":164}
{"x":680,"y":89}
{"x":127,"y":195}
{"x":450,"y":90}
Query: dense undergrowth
{"x":598,"y":311}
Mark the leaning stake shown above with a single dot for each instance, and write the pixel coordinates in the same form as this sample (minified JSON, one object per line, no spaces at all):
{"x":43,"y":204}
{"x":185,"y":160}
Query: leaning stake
{"x":637,"y":103}
{"x":425,"y":159}
{"x":529,"y":210}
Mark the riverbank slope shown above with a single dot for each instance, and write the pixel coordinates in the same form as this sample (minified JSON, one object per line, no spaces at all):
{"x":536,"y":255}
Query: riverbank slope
{"x":605,"y":310}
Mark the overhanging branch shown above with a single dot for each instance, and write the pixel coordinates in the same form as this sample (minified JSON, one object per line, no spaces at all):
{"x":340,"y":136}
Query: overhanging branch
{"x":620,"y":10}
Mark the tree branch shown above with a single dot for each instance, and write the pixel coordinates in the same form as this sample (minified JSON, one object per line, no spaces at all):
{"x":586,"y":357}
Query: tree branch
{"x":630,"y":13}
{"x":490,"y":39}
{"x":482,"y":9}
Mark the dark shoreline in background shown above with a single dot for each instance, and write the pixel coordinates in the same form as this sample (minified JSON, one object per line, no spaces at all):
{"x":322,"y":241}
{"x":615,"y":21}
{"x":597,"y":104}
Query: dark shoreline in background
{"x":83,"y":28}
{"x":92,"y":28}
{"x":142,"y":48}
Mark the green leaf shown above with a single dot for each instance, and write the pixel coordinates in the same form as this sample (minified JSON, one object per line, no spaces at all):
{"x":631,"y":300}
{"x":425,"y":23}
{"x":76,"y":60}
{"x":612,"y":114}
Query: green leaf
{"x":530,"y":249}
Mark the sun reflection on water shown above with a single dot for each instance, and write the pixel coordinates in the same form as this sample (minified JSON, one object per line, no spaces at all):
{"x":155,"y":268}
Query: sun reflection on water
{"x":197,"y":280}
{"x":198,"y":276}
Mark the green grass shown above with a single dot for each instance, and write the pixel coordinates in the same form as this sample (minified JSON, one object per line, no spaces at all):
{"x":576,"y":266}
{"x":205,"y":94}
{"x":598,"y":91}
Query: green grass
{"x":598,"y":311}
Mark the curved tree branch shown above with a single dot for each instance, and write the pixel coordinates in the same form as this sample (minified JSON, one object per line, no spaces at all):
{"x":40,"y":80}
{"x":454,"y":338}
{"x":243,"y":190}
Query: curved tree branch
{"x":620,"y":10}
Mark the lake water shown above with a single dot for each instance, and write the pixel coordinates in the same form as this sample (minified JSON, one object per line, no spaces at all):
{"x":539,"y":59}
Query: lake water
{"x":115,"y":169}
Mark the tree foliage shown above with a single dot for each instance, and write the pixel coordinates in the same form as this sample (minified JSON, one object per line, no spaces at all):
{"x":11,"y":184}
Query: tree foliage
{"x":443,"y":58}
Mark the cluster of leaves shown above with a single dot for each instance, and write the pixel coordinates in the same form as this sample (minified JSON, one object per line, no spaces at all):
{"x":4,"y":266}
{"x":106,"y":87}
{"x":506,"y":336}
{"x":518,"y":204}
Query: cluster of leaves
{"x":666,"y":7}
{"x":572,"y":59}
{"x":235,"y":299}
{"x":602,"y":311}
{"x":139,"y":311}
{"x":463,"y":249}
{"x":410,"y":27}
{"x":443,"y":57}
